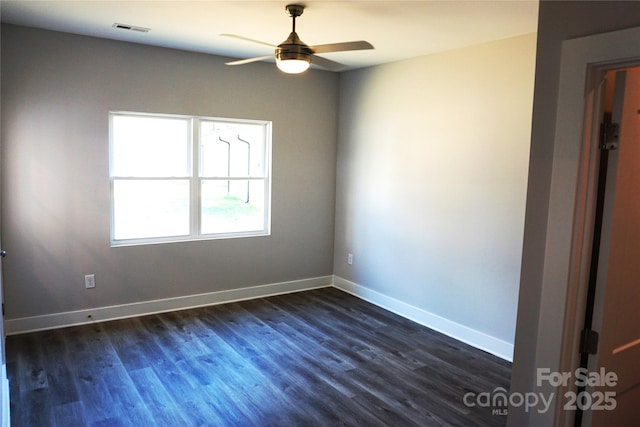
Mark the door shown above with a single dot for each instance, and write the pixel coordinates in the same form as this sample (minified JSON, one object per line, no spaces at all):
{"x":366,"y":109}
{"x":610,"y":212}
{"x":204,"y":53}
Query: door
{"x":617,"y":292}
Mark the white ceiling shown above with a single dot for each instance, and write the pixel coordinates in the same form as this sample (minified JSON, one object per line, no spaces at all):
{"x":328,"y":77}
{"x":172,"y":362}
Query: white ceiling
{"x":397,"y":29}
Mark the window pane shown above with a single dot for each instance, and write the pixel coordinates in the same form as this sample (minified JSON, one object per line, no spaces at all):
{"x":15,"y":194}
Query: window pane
{"x":232,"y":206}
{"x":232,"y":149}
{"x":144,"y":208}
{"x":150,"y":146}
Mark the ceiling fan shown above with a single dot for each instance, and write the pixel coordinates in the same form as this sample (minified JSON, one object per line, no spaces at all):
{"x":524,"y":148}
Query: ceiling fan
{"x":293,"y":56}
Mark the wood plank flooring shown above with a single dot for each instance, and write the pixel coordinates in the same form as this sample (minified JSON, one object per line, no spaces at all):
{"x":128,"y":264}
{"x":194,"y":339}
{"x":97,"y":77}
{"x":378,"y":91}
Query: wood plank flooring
{"x":315,"y":358}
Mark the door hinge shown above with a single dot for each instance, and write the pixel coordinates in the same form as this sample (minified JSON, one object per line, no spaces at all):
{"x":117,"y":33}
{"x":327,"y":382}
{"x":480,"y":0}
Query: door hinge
{"x":609,"y":136}
{"x":589,"y":341}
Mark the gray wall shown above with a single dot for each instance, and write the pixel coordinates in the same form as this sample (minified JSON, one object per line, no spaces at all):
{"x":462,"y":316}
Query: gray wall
{"x":558,"y":21}
{"x":57,"y":90}
{"x":431,"y":181}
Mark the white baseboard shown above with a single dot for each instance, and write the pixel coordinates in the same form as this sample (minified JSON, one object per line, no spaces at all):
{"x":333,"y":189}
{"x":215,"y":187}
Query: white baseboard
{"x":101,"y":314}
{"x":455,"y":330}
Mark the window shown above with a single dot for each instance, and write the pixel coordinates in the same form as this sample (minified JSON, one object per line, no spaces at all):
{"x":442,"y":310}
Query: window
{"x":176,"y":178}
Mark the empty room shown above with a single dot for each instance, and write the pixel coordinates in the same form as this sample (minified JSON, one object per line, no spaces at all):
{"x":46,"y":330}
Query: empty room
{"x":254,"y":213}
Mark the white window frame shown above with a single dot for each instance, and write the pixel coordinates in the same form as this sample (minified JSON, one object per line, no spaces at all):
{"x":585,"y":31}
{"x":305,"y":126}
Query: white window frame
{"x":195,"y":179}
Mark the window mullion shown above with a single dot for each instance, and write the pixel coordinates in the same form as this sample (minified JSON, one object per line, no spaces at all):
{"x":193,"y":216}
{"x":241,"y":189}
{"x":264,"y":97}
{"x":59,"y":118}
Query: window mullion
{"x":195,"y":203}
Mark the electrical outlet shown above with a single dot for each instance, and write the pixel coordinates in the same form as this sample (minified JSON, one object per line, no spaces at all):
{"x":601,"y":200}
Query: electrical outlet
{"x":350,"y":259}
{"x":90,"y":281}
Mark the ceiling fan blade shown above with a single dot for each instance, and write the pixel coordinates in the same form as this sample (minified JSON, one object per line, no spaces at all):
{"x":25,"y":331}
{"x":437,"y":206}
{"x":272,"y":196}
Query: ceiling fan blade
{"x":248,"y":60}
{"x":327,"y":63}
{"x":247,"y":39}
{"x":341,"y":47}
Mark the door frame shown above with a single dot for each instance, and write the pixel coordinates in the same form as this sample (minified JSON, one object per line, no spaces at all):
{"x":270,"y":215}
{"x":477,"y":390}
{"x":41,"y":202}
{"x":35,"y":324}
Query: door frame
{"x":571,"y":208}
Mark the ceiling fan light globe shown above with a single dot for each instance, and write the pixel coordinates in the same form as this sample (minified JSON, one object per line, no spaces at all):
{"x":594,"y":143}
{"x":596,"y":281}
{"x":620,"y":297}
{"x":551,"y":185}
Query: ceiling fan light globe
{"x":293,"y":66}
{"x":293,"y":60}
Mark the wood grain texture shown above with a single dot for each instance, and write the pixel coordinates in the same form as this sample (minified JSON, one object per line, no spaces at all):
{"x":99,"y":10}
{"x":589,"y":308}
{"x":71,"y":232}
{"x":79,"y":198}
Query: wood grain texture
{"x":316,"y":358}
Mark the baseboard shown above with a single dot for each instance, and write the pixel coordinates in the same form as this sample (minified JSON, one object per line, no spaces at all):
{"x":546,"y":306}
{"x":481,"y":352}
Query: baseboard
{"x":470,"y":336}
{"x":101,"y":314}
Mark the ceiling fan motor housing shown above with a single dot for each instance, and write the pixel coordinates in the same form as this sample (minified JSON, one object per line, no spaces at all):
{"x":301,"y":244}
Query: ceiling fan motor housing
{"x":293,"y":48}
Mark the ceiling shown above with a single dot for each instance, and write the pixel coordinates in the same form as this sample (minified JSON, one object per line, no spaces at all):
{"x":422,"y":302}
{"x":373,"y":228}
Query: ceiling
{"x":397,"y":29}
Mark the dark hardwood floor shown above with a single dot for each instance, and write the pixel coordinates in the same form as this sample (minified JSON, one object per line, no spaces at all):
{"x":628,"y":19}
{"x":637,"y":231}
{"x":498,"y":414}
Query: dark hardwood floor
{"x":316,"y":358}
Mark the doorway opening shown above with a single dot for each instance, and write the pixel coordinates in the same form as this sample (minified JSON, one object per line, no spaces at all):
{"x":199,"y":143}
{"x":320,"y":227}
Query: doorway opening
{"x":610,"y":338}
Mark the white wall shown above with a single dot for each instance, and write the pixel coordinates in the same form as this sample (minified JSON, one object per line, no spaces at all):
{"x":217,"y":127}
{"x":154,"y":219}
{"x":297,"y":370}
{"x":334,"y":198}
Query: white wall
{"x":57,"y":90}
{"x":431,"y":184}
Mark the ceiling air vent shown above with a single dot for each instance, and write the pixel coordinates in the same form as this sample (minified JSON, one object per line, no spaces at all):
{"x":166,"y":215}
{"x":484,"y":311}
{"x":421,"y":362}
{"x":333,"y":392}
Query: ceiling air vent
{"x":131,"y":28}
